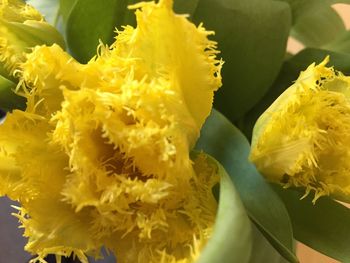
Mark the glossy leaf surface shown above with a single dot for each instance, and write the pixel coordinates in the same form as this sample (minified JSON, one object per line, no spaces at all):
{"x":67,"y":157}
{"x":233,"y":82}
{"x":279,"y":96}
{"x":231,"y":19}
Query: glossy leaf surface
{"x":223,"y":141}
{"x":316,"y":23}
{"x":263,"y":251}
{"x":232,"y":238}
{"x":340,"y":44}
{"x":90,"y":21}
{"x":317,"y":26}
{"x":324,"y":226}
{"x":253,"y":54}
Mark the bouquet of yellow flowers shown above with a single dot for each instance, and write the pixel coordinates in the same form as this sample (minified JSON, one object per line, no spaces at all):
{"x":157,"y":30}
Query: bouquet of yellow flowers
{"x":109,"y":143}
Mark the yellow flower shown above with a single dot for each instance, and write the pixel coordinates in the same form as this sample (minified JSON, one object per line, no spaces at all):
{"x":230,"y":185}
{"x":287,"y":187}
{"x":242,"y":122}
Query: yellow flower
{"x":100,"y":156}
{"x":303,"y":138}
{"x":21,"y":28}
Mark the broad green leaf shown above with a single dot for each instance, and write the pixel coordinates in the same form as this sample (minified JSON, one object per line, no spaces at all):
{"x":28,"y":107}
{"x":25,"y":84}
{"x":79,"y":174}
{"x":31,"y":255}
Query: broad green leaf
{"x":52,"y":11}
{"x":340,"y":44}
{"x":223,"y":141}
{"x":263,"y":251}
{"x":66,"y":7}
{"x":185,"y":6}
{"x":8,"y":99}
{"x":303,"y":7}
{"x":252,"y":36}
{"x":324,"y":226}
{"x":315,"y":22}
{"x":340,"y":61}
{"x":289,"y":73}
{"x":231,"y":240}
{"x":91,"y":21}
{"x":36,"y":33}
{"x":318,"y":27}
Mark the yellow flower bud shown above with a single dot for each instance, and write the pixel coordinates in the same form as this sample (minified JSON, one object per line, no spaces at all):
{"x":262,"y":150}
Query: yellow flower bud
{"x":21,"y":28}
{"x":303,"y":138}
{"x":101,"y":155}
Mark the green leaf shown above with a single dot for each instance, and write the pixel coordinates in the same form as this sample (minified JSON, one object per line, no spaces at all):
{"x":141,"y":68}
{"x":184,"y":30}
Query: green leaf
{"x":289,"y":73}
{"x":300,"y":7}
{"x":223,"y":141}
{"x":8,"y":99}
{"x":252,"y":36}
{"x":304,"y":58}
{"x":36,"y":33}
{"x":315,"y":22}
{"x":52,"y":11}
{"x":231,"y":222}
{"x":340,"y":44}
{"x":91,"y":21}
{"x":317,"y":27}
{"x":185,"y":6}
{"x":263,"y":251}
{"x":66,"y":7}
{"x":324,"y":226}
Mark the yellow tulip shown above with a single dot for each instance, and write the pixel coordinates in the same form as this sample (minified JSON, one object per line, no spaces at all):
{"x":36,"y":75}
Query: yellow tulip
{"x":303,"y":138}
{"x":100,"y":157}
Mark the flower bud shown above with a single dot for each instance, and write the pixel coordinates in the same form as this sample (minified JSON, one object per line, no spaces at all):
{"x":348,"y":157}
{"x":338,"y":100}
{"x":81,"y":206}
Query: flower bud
{"x":303,"y":138}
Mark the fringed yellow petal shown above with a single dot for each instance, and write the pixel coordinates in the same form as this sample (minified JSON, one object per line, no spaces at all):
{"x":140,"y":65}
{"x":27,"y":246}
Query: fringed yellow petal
{"x":34,"y":174}
{"x":12,"y":47}
{"x":167,"y":45}
{"x":173,"y":233}
{"x":53,"y":227}
{"x":18,"y":11}
{"x":10,"y":172}
{"x":134,"y":168}
{"x":21,"y":28}
{"x":46,"y":71}
{"x":303,"y":138}
{"x":21,"y":135}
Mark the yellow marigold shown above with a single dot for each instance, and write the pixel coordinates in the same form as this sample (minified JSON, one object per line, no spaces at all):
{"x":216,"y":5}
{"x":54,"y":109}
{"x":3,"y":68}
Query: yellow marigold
{"x":100,"y":157}
{"x":303,"y":138}
{"x":21,"y":28}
